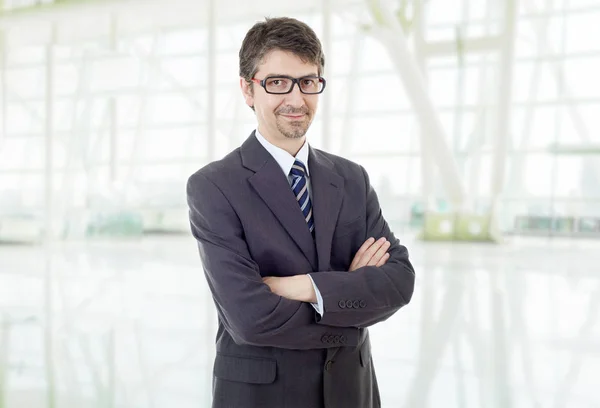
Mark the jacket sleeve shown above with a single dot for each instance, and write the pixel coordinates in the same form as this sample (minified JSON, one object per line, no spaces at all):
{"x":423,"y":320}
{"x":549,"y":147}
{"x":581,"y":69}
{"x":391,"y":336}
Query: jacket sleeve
{"x":247,"y":308}
{"x":369,"y":294}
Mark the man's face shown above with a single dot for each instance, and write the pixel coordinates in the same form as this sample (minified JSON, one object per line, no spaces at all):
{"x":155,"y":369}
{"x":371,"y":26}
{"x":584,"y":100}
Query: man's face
{"x":286,"y":116}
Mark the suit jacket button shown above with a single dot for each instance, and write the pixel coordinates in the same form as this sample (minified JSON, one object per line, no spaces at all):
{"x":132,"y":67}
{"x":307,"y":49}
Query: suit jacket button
{"x":342,"y":304}
{"x":355,"y":304}
{"x":328,"y":365}
{"x":330,"y":339}
{"x":324,"y":339}
{"x":362,"y":304}
{"x":336,"y":339}
{"x":342,"y":339}
{"x":349,"y":304}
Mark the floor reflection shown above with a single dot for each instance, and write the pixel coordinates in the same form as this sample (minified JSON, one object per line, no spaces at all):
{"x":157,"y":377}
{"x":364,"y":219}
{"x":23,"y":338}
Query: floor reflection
{"x":131,"y":325}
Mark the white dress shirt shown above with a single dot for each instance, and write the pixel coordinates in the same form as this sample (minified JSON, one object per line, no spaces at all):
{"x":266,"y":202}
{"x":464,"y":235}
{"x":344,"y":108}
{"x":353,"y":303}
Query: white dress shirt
{"x":286,"y":161}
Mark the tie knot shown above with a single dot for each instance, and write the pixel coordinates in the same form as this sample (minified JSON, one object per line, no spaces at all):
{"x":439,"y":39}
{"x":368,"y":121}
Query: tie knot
{"x":298,"y":169}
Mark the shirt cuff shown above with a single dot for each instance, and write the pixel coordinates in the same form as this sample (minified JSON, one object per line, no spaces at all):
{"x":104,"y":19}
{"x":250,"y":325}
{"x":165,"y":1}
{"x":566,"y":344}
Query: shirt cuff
{"x":319,"y":305}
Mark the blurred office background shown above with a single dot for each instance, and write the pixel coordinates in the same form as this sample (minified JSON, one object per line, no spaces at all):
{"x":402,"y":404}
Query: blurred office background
{"x":479,"y":124}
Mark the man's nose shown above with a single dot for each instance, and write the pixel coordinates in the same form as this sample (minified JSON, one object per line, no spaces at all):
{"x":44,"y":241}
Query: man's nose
{"x":295,"y":98}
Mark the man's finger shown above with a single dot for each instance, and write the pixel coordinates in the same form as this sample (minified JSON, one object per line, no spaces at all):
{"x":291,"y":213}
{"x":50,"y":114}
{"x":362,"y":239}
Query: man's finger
{"x":361,"y":251}
{"x":364,"y":247}
{"x":380,"y":253}
{"x":383,"y":259}
{"x":366,"y":257}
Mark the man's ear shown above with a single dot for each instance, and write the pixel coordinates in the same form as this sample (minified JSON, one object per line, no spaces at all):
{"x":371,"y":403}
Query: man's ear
{"x":247,"y":91}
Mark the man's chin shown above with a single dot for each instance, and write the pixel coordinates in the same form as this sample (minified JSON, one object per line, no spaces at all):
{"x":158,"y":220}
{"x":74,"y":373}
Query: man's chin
{"x":294,"y":135}
{"x":294,"y":130}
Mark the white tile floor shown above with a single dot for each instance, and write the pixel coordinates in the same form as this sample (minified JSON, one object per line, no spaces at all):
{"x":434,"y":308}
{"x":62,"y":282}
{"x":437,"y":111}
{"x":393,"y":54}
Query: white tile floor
{"x":513,"y":325}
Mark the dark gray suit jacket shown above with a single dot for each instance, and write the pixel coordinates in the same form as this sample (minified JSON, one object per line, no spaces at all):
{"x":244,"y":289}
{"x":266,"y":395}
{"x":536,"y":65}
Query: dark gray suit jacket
{"x":273,"y":352}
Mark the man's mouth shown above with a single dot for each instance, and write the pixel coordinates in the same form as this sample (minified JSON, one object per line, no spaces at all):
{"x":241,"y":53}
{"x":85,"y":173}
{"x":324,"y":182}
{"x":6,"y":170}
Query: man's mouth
{"x":293,"y":116}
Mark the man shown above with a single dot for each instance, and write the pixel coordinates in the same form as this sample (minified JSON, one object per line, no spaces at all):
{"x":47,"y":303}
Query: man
{"x":286,"y":234}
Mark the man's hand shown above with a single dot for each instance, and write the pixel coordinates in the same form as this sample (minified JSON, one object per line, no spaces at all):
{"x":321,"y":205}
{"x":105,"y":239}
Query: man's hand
{"x":297,"y":287}
{"x":371,"y":253}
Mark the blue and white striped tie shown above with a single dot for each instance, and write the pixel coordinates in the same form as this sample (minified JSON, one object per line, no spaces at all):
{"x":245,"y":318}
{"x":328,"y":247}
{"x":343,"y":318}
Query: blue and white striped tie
{"x":300,"y":189}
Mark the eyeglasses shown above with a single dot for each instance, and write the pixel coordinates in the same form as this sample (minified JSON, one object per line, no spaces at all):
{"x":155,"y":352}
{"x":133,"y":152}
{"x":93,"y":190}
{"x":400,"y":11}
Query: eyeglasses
{"x":280,"y":85}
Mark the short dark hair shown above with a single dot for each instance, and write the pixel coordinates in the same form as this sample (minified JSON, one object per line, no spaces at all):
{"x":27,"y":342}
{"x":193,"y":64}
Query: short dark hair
{"x":282,"y":33}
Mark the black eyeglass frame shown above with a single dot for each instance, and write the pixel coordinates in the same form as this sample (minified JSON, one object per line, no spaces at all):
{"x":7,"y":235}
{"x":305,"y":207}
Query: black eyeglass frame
{"x":263,"y":83}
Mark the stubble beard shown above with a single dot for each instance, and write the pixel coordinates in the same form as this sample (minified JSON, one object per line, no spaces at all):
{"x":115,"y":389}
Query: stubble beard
{"x":293,"y":129}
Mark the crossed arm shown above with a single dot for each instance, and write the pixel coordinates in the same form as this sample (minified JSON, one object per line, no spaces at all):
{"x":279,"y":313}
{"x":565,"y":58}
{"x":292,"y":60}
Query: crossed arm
{"x":300,"y":287}
{"x":375,"y":288}
{"x":275,"y":311}
{"x":370,"y":293}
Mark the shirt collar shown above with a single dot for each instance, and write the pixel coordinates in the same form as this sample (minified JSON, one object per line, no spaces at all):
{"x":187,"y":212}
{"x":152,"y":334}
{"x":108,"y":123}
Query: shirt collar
{"x":283,"y":158}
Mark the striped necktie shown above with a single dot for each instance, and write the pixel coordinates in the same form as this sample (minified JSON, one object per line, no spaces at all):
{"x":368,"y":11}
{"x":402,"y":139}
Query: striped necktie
{"x":300,"y":189}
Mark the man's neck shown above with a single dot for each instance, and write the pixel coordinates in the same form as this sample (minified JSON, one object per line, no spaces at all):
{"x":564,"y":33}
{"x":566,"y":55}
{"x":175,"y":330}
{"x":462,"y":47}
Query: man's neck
{"x":292,"y":146}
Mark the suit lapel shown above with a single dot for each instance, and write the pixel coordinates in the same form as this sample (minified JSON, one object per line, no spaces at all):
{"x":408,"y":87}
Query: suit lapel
{"x":328,"y":190}
{"x":273,"y":188}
